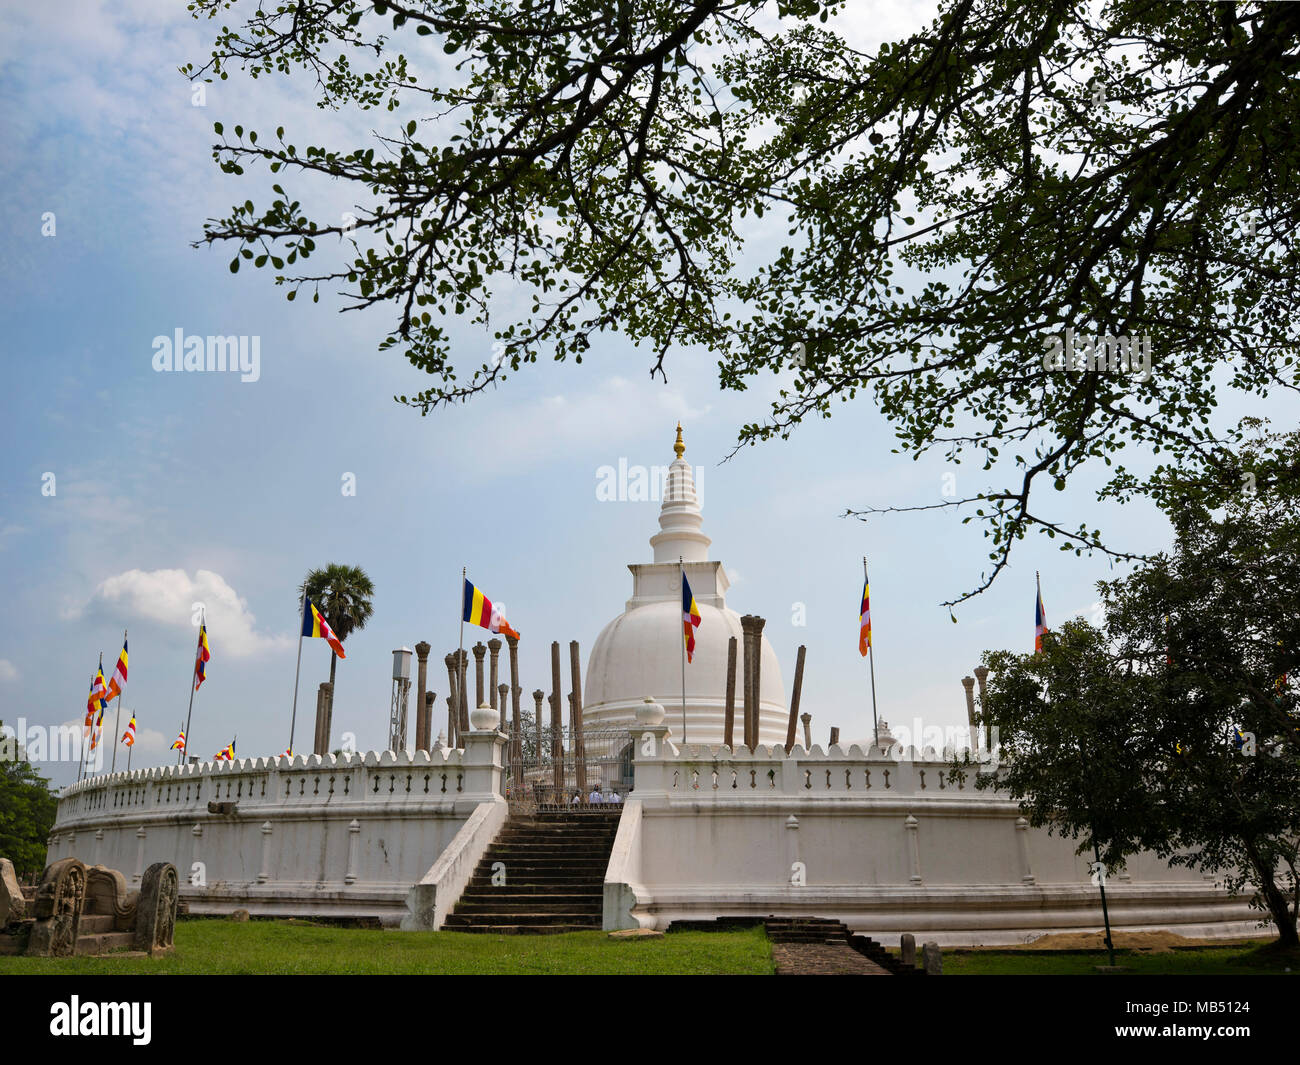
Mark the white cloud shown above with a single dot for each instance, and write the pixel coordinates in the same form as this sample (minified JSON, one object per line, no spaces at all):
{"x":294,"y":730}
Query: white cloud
{"x":168,"y":596}
{"x":8,"y":671}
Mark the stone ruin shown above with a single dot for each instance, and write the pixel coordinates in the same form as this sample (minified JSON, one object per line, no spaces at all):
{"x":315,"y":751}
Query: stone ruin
{"x":79,"y":909}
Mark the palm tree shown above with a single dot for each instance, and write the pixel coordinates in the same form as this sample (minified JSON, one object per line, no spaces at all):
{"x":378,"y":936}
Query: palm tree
{"x":342,"y":594}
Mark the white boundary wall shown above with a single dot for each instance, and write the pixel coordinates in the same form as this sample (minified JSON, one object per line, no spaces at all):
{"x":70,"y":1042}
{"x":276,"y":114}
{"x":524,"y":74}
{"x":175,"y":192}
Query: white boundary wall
{"x":317,"y":836}
{"x":885,"y":846}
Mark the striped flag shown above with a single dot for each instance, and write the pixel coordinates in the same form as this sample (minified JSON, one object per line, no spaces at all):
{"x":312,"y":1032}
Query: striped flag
{"x":226,"y":754}
{"x":478,"y":610}
{"x":128,"y":737}
{"x":1040,"y":618}
{"x":690,"y":617}
{"x":99,"y":726}
{"x":96,"y":701}
{"x":202,"y":657}
{"x":864,"y":616}
{"x":118,"y":682}
{"x":288,"y":753}
{"x":179,"y":743}
{"x":314,"y":624}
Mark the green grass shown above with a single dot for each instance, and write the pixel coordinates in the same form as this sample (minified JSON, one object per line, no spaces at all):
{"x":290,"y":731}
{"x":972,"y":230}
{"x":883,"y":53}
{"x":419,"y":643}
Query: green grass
{"x":217,"y":946}
{"x":1239,"y":959}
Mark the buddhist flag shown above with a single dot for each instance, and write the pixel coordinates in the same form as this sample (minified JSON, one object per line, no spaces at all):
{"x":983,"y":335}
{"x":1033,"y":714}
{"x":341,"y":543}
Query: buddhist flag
{"x":128,"y":737}
{"x":96,"y":701}
{"x":478,"y":610}
{"x":1040,"y":619}
{"x":201,"y":658}
{"x":690,"y":617}
{"x":118,"y":682}
{"x":226,"y":754}
{"x":864,"y":616}
{"x":179,"y":743}
{"x":99,"y":725}
{"x":288,"y":753}
{"x":314,"y":624}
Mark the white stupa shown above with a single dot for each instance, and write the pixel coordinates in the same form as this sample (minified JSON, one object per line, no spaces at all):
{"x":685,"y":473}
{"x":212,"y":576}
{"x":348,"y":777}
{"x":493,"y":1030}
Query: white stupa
{"x":638,"y":654}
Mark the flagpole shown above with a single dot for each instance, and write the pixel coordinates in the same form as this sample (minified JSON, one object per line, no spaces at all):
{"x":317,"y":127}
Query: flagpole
{"x":871,"y":661}
{"x":130,"y":751}
{"x":85,"y":737}
{"x":681,"y":572}
{"x":96,"y":726}
{"x":117,"y":722}
{"x":462,"y":675}
{"x":194,"y":669}
{"x":293,"y":721}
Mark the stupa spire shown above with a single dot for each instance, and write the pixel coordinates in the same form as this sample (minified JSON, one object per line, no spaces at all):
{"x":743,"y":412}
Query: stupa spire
{"x":680,"y":520}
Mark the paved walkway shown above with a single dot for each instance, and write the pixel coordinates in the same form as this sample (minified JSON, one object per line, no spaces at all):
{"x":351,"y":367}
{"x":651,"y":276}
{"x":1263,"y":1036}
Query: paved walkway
{"x":822,"y":959}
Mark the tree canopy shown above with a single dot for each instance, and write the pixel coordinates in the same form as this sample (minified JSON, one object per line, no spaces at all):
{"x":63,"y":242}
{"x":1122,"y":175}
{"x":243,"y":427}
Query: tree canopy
{"x":918,"y":224}
{"x":27,"y":809}
{"x":1175,"y":727}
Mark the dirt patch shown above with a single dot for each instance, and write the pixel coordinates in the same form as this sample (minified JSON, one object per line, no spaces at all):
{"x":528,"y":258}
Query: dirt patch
{"x":1158,"y":942}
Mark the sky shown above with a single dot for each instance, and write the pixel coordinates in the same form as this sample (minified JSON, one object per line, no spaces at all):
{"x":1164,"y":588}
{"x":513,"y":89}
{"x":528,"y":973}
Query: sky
{"x":129,"y":495}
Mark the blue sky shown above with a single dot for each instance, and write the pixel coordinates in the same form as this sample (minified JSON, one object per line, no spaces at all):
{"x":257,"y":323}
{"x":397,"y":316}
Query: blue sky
{"x":183,"y":487}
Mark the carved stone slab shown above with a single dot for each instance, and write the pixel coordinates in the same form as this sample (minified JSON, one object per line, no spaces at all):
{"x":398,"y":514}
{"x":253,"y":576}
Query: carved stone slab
{"x":60,"y":898}
{"x":12,"y":904}
{"x":155,"y":915}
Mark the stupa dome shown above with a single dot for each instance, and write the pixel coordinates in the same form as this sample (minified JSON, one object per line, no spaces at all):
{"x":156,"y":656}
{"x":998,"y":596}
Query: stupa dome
{"x":639,"y":653}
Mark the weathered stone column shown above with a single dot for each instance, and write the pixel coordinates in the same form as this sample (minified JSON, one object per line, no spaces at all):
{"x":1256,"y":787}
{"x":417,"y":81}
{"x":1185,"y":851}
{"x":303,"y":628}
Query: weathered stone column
{"x":538,"y":696}
{"x":907,"y":949}
{"x":422,"y":721}
{"x":494,"y":650}
{"x":517,"y":748}
{"x":430,"y":700}
{"x":807,"y":731}
{"x":500,"y":700}
{"x":453,"y":698}
{"x":913,"y":847}
{"x":982,"y":676}
{"x":969,"y":684}
{"x":557,"y":725}
{"x":479,"y":652}
{"x":462,"y":721}
{"x":729,"y":713}
{"x":323,"y":697}
{"x":794,"y":698}
{"x":752,"y":630}
{"x":579,"y":748}
{"x":835,"y":736}
{"x":1022,"y":847}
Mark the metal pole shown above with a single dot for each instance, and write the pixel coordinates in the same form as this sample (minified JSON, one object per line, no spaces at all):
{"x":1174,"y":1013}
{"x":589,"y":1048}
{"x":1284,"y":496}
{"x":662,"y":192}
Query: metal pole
{"x":85,"y":733}
{"x":194,"y":671}
{"x":117,"y":721}
{"x":682,"y":640}
{"x":293,"y":720}
{"x":871,"y":660}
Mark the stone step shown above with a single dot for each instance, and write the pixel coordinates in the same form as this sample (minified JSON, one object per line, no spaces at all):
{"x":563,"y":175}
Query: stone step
{"x":91,"y":923}
{"x":98,"y":942}
{"x":477,"y":920}
{"x":527,"y":904}
{"x":593,"y":867}
{"x":539,"y":885}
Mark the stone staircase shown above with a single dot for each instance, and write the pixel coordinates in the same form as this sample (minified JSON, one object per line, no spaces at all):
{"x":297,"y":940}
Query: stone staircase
{"x":553,"y":864}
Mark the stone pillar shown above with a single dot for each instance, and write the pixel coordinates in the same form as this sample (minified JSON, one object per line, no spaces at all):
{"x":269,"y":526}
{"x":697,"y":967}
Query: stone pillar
{"x":835,"y":736}
{"x":538,"y":696}
{"x":453,"y":699}
{"x":1022,"y":847}
{"x":729,"y":714}
{"x":139,"y":855}
{"x":423,"y":721}
{"x":794,"y":698}
{"x":500,"y":700}
{"x":752,"y":630}
{"x":354,"y":837}
{"x":479,"y":651}
{"x":517,"y":748}
{"x":557,"y":725}
{"x":907,"y":949}
{"x":982,"y":676}
{"x":932,"y":959}
{"x":807,"y":731}
{"x":462,"y":720}
{"x":430,"y":701}
{"x":323,"y":694}
{"x":579,"y":748}
{"x":265,"y":874}
{"x":913,"y":848}
{"x":494,"y":652}
{"x":969,"y":684}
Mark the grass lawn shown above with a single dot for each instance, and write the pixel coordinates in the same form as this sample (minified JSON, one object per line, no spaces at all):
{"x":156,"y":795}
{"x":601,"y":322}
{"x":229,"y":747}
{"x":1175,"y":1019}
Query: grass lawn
{"x":218,"y":946}
{"x":1238,"y":959}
